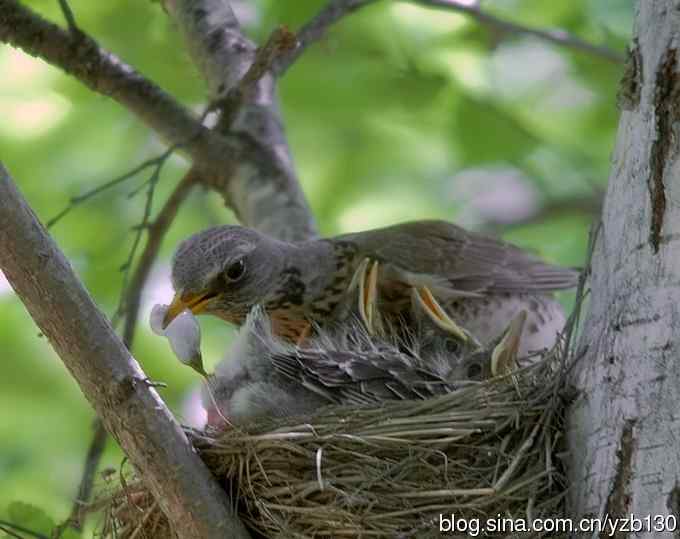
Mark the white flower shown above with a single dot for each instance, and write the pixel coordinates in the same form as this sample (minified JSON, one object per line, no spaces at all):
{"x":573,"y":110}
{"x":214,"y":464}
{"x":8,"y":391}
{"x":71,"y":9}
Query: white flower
{"x":183,"y":333}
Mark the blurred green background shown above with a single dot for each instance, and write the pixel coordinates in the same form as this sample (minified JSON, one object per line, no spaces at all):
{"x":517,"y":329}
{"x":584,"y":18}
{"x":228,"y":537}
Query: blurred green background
{"x":400,"y":113}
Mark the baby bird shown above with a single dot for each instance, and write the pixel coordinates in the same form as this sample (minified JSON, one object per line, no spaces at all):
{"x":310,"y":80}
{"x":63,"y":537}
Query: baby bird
{"x":268,"y":377}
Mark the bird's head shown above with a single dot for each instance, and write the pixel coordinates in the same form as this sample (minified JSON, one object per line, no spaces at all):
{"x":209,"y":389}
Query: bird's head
{"x":223,"y":271}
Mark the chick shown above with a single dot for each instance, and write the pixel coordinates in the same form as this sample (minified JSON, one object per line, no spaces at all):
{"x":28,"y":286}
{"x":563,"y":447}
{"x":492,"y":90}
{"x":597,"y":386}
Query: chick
{"x":267,"y":377}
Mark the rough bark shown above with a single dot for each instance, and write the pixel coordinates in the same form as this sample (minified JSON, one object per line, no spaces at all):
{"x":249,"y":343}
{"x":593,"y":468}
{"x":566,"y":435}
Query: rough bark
{"x":108,"y":375}
{"x":263,"y":191}
{"x":624,"y":424}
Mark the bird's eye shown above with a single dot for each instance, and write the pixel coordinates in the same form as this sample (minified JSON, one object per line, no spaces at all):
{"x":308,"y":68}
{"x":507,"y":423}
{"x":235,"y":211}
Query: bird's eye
{"x":452,"y":347}
{"x":235,"y":270}
{"x":474,"y":371}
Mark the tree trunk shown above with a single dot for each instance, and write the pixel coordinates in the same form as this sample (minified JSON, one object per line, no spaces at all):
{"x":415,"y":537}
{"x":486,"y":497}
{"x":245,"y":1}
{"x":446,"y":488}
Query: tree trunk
{"x":624,"y":424}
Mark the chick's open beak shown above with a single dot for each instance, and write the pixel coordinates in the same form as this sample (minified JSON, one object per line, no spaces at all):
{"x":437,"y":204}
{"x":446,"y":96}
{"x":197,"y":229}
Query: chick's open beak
{"x":194,"y":302}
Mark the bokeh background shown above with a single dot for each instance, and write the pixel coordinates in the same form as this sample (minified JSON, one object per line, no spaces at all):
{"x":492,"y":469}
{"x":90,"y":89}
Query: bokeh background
{"x":402,"y":112}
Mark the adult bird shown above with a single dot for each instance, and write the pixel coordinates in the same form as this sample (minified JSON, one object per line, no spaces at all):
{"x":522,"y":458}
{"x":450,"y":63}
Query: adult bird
{"x":467,"y":283}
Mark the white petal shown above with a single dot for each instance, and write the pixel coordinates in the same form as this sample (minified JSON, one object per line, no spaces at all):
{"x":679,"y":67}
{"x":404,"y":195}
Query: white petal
{"x":156,"y":318}
{"x":184,"y":335}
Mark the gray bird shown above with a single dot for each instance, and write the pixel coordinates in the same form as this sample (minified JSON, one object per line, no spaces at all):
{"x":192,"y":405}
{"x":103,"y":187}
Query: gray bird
{"x":267,"y":377}
{"x":467,"y":283}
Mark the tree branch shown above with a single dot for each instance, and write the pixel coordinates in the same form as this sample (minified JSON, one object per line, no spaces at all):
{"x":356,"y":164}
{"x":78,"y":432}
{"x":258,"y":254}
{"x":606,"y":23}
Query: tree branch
{"x":130,"y":303}
{"x":317,"y":28}
{"x":335,"y":10}
{"x":154,"y":162}
{"x":156,"y":233}
{"x":108,"y":375}
{"x":558,"y":37}
{"x":261,"y":167}
{"x":586,"y":205}
{"x":263,"y":190}
{"x":128,"y":308}
{"x":101,"y":71}
{"x":621,"y":427}
{"x":68,"y":16}
{"x":252,"y":169}
{"x":280,"y":41}
{"x":9,"y":528}
{"x":94,"y":454}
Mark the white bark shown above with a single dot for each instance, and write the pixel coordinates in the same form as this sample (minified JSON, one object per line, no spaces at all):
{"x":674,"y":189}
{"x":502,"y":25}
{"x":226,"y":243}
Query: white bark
{"x":264,"y":190}
{"x":624,"y":424}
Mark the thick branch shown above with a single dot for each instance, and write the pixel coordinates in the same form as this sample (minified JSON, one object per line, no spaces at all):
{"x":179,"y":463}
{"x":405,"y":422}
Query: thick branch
{"x":107,"y":374}
{"x":264,"y":190}
{"x":622,"y":426}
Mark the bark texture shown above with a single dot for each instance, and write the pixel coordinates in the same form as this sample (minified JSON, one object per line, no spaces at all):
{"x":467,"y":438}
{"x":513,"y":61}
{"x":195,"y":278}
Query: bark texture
{"x":624,"y":425}
{"x":263,"y":188}
{"x":108,"y":375}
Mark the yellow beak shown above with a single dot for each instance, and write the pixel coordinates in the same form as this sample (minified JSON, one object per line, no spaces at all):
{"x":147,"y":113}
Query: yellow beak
{"x":194,"y":302}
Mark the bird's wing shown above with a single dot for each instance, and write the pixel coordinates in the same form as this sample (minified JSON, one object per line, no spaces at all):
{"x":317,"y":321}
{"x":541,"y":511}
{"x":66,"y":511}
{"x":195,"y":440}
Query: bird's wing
{"x":443,"y":255}
{"x":346,"y":377}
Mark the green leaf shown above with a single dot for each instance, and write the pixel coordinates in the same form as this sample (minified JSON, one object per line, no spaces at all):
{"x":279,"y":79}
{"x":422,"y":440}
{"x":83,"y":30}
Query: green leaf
{"x":30,"y":517}
{"x":70,"y":533}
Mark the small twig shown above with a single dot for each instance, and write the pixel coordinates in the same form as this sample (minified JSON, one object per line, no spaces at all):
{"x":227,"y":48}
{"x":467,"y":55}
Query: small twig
{"x":316,"y":29}
{"x":148,"y":513}
{"x":125,"y":268}
{"x":94,"y":453}
{"x":9,"y":532}
{"x":586,"y":205}
{"x":558,"y":37}
{"x":574,"y":319}
{"x":139,"y":230}
{"x":68,"y":15}
{"x":154,"y":383}
{"x":281,"y":41}
{"x":16,"y":527}
{"x":335,"y":10}
{"x":284,"y":211}
{"x":75,"y":201}
{"x":158,"y":163}
{"x":156,"y":230}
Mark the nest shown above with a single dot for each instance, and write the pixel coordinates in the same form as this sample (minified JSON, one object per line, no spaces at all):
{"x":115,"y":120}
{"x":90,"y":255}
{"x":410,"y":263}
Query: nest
{"x":487,"y":450}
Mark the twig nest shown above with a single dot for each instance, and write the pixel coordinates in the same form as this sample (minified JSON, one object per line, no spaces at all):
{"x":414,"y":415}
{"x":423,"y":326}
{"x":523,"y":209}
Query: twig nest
{"x":397,"y":469}
{"x":183,"y":333}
